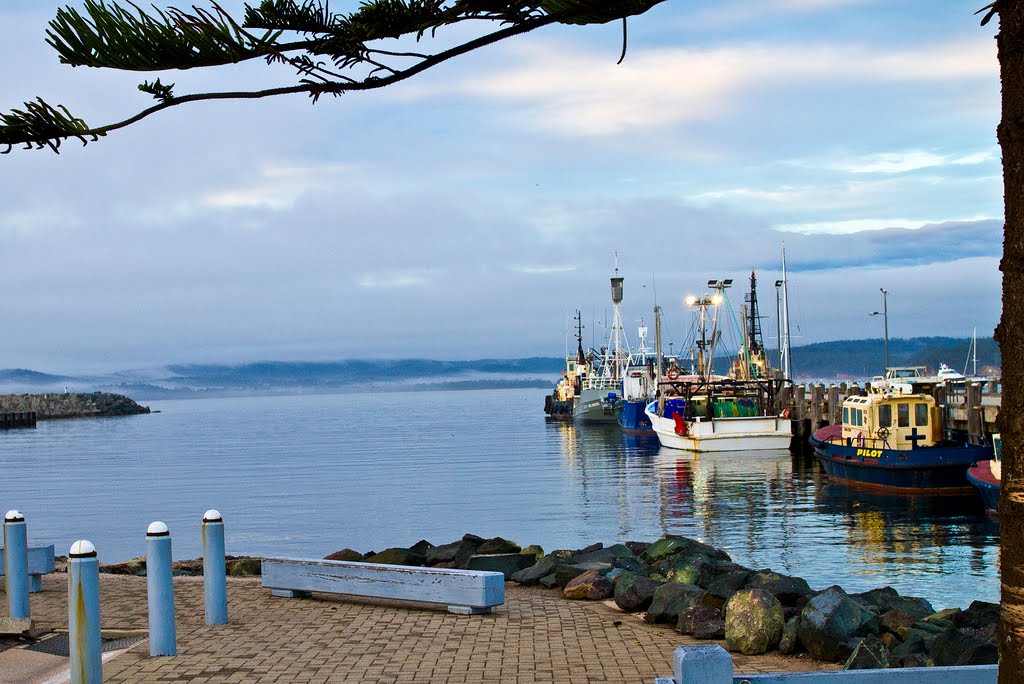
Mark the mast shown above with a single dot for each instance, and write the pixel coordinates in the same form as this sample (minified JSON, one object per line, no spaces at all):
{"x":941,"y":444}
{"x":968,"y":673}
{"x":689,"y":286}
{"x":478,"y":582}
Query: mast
{"x":787,"y":361}
{"x":617,"y":335}
{"x":581,"y":358}
{"x":657,"y":351}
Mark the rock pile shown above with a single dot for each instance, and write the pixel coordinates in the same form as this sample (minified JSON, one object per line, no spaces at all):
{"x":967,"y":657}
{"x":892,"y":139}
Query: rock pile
{"x":699,"y":590}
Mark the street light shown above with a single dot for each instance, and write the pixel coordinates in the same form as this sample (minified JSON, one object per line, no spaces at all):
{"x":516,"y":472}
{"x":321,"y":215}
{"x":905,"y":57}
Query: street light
{"x":885,"y":319}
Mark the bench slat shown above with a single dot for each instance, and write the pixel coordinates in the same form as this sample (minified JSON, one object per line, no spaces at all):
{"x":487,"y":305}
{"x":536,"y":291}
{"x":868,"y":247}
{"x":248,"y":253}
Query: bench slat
{"x":475,"y":589}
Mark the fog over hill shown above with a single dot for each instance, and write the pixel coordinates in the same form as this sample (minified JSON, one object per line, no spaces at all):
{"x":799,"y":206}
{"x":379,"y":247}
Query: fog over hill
{"x":841,"y":359}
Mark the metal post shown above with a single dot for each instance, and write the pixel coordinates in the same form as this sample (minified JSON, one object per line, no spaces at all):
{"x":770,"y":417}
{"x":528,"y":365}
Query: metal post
{"x":162,"y":641}
{"x":86,"y":659}
{"x":885,"y":323}
{"x":215,"y":590}
{"x":16,"y":564}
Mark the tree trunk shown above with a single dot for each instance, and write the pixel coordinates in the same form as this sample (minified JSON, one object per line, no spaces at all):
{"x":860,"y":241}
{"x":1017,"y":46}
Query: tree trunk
{"x":1010,"y":335}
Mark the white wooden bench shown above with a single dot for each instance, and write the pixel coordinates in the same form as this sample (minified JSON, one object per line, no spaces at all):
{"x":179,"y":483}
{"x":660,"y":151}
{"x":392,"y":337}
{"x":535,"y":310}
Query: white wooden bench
{"x":468,"y":592}
{"x":40,"y":562}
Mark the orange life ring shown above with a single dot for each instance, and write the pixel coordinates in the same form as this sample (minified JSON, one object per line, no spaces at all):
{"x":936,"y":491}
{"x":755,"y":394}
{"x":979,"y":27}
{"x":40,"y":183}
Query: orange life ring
{"x":673,"y":374}
{"x":786,"y":412}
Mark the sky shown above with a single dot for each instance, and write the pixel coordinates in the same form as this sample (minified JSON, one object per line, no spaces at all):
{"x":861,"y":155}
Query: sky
{"x":469,"y":211}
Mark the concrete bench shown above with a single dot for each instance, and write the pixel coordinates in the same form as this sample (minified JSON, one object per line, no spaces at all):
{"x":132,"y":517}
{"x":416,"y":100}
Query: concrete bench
{"x":40,"y":562}
{"x":468,"y":592}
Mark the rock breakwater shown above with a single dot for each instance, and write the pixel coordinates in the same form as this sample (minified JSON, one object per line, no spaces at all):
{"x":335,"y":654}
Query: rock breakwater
{"x":701,"y":592}
{"x":71,"y":405}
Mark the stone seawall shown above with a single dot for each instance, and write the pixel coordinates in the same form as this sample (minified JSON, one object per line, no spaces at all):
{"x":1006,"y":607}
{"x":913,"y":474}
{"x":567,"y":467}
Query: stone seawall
{"x":47,"y":406}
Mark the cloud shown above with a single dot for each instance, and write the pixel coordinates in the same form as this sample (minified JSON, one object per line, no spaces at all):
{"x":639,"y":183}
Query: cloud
{"x":583,"y":93}
{"x":541,"y":270}
{"x":396,"y":279}
{"x":899,"y":162}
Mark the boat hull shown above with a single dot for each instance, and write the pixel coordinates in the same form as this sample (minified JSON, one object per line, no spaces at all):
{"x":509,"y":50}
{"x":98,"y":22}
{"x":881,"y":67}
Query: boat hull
{"x":593,"y":406}
{"x":633,"y":417}
{"x":755,"y":433}
{"x":981,"y":478}
{"x":937,"y":469}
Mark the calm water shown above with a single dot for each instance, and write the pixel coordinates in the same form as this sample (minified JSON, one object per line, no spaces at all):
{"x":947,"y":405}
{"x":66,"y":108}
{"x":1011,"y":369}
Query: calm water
{"x":308,"y":475}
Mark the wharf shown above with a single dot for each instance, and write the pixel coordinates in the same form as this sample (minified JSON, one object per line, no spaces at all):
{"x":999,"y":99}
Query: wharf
{"x":969,"y":409}
{"x":536,"y":637}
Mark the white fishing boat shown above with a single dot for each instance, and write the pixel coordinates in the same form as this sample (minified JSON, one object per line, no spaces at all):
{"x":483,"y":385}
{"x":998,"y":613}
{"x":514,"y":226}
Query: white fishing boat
{"x":702,"y":412}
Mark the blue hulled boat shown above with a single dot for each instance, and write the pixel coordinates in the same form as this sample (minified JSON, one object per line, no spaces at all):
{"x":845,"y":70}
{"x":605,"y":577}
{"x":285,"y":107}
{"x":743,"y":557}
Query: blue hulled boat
{"x":893,"y":441}
{"x":638,"y":388}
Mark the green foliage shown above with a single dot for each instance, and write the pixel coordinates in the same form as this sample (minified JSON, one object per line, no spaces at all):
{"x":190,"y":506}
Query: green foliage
{"x":41,"y":125}
{"x":338,"y":53}
{"x":111,"y":36}
{"x":158,"y":90}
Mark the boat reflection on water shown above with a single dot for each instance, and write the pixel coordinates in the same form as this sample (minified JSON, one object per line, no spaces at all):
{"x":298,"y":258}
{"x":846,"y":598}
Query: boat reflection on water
{"x":923,"y":533}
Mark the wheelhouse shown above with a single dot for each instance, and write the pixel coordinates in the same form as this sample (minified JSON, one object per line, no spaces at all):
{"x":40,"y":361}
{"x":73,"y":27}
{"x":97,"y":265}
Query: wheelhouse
{"x":891,"y":421}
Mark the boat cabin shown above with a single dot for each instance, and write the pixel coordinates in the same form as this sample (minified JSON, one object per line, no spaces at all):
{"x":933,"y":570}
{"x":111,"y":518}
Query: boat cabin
{"x":891,"y":421}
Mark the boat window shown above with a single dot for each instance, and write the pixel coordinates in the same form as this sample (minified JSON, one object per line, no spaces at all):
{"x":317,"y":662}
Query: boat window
{"x":885,"y":415}
{"x":860,"y":416}
{"x":846,"y":415}
{"x":920,"y":414}
{"x":903,"y":414}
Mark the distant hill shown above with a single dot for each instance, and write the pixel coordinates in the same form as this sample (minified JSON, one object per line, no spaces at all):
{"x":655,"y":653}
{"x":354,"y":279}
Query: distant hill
{"x":824,"y":360}
{"x":22,"y":376}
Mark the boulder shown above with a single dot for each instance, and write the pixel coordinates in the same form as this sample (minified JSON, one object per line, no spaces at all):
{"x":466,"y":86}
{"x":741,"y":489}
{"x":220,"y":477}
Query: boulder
{"x":674,"y":546}
{"x":535,"y":550}
{"x":703,"y":622}
{"x":687,"y":568}
{"x":542,"y":568}
{"x":634,"y":592}
{"x":397,"y":556}
{"x":790,"y":641}
{"x":457,"y":552}
{"x":638,"y":548}
{"x":946,"y":614}
{"x":912,"y":645}
{"x":896,"y":622}
{"x":954,"y":647}
{"x":565,"y":573}
{"x":878,"y":598}
{"x":912,"y":605}
{"x":830,"y":621}
{"x":753,"y":622}
{"x":672,"y":599}
{"x":915,"y":660}
{"x":497,"y":546}
{"x":505,"y":563}
{"x":133,"y":566}
{"x":245,"y":567}
{"x":590,"y":586}
{"x":345,"y":555}
{"x":617,"y":555}
{"x":421,"y":547}
{"x":978,"y":614}
{"x":790,"y":591}
{"x":724,"y":586}
{"x":869,"y":654}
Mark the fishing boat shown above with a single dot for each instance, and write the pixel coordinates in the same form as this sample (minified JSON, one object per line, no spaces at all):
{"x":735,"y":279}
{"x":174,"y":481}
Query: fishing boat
{"x":893,"y":440}
{"x":703,"y":412}
{"x":638,"y":387}
{"x":987,"y":477}
{"x":559,"y":404}
{"x":600,"y":395}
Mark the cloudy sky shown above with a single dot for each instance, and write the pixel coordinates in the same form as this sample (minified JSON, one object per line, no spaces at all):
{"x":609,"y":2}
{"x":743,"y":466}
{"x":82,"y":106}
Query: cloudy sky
{"x":469,"y":211}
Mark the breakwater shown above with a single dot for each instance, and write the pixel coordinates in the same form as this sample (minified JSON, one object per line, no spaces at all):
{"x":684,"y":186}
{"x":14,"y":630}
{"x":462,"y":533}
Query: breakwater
{"x":70,"y":405}
{"x":700,"y":591}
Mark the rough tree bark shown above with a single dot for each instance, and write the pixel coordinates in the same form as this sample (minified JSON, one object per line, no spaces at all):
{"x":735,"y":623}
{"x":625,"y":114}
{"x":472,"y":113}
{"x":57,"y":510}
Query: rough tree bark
{"x":1010,"y":335}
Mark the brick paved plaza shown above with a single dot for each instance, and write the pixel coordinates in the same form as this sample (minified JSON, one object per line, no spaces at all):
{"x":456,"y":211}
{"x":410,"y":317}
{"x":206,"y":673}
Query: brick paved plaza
{"x":537,"y":636}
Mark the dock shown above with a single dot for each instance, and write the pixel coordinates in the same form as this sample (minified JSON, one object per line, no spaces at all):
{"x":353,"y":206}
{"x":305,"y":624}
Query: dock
{"x":969,"y":410}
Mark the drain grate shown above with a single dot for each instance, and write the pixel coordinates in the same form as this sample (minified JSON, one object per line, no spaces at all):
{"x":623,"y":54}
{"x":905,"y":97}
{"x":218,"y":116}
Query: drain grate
{"x":60,"y":644}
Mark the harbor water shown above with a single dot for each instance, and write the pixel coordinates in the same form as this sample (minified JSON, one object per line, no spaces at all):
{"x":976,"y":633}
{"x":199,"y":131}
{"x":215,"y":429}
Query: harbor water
{"x":307,"y":475}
